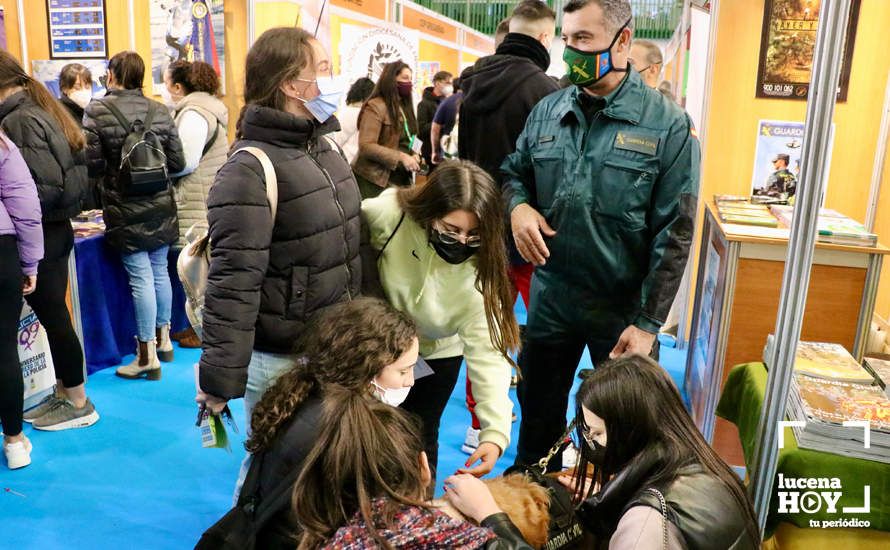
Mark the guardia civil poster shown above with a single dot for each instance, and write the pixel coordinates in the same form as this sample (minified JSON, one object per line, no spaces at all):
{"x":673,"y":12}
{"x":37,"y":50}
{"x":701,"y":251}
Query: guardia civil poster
{"x":786,"y":48}
{"x":193,"y":30}
{"x":777,"y":158}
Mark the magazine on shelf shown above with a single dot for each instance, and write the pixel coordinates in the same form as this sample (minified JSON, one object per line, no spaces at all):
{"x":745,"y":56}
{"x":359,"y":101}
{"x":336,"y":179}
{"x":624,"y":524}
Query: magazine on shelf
{"x":824,"y":405}
{"x":824,"y":360}
{"x":834,"y":227}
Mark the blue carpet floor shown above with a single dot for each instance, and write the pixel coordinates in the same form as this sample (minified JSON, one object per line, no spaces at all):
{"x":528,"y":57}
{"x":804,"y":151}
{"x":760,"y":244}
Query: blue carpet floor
{"x":139,"y":477}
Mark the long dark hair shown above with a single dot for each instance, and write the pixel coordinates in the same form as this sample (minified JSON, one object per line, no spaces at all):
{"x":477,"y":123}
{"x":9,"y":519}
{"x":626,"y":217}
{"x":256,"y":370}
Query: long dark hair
{"x":366,"y":450}
{"x":461,"y":185}
{"x":346,"y":345}
{"x":387,"y":89}
{"x":277,"y":56}
{"x":12,"y":75}
{"x":644,"y":413}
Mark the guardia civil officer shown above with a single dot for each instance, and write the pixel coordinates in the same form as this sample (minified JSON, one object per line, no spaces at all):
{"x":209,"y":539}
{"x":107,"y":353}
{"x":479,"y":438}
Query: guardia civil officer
{"x":602,"y":189}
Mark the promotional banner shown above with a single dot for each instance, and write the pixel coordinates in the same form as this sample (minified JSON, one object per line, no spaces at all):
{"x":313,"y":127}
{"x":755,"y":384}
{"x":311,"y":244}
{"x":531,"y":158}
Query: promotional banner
{"x":193,"y":30}
{"x":47,"y":71}
{"x":365,"y":51}
{"x":35,"y":357}
{"x":787,"y":44}
{"x":77,"y":29}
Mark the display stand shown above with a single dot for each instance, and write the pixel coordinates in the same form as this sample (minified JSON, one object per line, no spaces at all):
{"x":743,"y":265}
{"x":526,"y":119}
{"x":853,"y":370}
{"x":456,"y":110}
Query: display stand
{"x":736,"y":301}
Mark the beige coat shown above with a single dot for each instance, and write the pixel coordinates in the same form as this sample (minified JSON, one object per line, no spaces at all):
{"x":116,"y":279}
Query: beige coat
{"x":191,"y":190}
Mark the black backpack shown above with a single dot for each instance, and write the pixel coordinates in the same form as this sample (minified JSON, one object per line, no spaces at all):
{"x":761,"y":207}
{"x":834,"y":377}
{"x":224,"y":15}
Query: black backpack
{"x":143,"y":168}
{"x":237,"y":530}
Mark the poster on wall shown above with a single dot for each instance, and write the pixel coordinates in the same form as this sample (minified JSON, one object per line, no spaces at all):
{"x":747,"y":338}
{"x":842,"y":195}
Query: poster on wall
{"x":35,"y":358}
{"x":426,"y":70}
{"x":786,"y":48}
{"x":47,"y":71}
{"x":76,"y":29}
{"x":193,"y":30}
{"x":364,"y":52}
{"x":777,"y":158}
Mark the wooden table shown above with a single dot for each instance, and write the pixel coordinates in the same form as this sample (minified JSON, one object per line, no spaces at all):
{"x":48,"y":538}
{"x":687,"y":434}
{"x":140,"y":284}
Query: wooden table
{"x":739,"y":279}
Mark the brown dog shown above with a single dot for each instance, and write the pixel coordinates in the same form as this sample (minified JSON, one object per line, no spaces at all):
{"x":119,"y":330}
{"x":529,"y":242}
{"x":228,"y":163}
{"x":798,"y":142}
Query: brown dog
{"x":524,"y":501}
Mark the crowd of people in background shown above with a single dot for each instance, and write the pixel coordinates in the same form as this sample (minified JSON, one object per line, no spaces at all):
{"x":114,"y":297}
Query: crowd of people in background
{"x":401,"y":237}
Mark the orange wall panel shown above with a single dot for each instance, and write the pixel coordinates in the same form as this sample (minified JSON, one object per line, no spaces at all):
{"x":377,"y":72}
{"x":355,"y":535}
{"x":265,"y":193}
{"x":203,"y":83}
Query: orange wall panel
{"x":427,"y":24}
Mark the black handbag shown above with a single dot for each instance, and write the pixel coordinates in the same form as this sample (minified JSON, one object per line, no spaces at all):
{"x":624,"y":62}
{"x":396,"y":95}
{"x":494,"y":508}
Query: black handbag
{"x":565,"y":531}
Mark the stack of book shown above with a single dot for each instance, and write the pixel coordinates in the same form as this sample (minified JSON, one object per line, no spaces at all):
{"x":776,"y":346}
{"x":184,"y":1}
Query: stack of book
{"x":829,"y":388}
{"x":833,"y":226}
{"x":739,"y":210}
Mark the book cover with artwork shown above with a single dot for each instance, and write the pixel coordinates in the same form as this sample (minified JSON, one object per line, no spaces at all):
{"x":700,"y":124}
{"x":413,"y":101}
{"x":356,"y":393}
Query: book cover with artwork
{"x":833,"y":402}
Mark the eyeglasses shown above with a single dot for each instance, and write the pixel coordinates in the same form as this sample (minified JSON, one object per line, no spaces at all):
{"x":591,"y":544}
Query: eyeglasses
{"x":453,"y":237}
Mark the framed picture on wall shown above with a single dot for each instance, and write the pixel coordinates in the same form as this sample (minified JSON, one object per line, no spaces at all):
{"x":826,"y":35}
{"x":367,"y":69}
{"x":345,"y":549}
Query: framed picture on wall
{"x":77,"y":29}
{"x":787,"y":44}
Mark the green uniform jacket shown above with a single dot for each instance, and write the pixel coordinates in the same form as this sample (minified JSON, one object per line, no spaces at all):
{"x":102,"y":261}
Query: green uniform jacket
{"x":621,"y":194}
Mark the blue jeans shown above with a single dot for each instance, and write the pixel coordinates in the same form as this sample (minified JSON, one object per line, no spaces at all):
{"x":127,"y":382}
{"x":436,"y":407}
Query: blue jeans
{"x":263,"y":369}
{"x":152,"y":293}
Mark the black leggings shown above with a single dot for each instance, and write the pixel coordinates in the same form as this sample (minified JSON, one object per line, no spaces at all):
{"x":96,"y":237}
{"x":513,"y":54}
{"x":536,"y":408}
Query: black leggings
{"x":48,"y":303}
{"x":428,"y":398}
{"x":12,"y":387}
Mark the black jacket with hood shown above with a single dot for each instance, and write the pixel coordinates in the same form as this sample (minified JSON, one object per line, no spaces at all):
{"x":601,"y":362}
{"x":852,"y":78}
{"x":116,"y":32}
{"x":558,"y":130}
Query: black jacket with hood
{"x":499,"y":92}
{"x":426,"y":110}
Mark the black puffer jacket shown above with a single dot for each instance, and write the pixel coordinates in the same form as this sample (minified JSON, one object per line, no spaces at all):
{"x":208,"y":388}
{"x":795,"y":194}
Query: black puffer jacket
{"x":133,"y":224}
{"x":59,"y":173}
{"x":267,"y":279}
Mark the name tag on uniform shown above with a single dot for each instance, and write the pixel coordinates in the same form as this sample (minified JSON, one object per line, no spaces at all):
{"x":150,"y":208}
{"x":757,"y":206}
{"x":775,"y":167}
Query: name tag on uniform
{"x":546,"y":139}
{"x":640,"y":143}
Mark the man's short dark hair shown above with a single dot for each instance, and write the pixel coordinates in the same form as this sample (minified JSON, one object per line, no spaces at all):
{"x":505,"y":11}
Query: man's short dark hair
{"x":615,"y":12}
{"x":532,"y":11}
{"x":442,"y":76}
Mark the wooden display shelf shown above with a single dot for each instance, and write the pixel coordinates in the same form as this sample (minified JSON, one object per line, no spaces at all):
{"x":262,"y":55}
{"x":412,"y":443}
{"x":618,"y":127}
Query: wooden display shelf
{"x":740,"y":274}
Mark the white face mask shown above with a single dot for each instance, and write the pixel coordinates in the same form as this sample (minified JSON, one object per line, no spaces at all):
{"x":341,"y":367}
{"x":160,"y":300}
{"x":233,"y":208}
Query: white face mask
{"x":81,"y":97}
{"x":168,"y":98}
{"x":390,"y":396}
{"x":447,"y":90}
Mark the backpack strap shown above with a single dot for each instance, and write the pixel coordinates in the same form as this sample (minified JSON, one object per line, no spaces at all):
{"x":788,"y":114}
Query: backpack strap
{"x":335,"y":145}
{"x":149,"y":118}
{"x":128,"y":126}
{"x":210,"y":143}
{"x":393,"y":234}
{"x":268,"y":175}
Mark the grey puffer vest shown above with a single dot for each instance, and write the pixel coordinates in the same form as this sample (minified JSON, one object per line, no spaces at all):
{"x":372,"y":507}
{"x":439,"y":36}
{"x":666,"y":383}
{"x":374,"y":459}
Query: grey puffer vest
{"x":191,"y":190}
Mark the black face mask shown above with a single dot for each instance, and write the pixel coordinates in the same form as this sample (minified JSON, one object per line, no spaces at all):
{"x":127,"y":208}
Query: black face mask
{"x":595,"y":453}
{"x":453,"y":253}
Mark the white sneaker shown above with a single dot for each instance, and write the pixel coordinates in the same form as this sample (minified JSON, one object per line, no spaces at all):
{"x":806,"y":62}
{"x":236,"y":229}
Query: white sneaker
{"x":570,"y":457}
{"x":471,"y":442}
{"x":18,"y":454}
